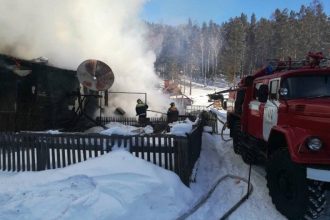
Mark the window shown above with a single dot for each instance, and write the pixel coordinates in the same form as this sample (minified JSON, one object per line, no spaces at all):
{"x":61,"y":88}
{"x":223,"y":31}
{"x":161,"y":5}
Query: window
{"x":307,"y":86}
{"x":256,"y":88}
{"x":273,"y":92}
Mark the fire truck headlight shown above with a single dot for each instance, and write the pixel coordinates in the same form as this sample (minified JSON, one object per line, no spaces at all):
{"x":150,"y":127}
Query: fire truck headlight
{"x":314,"y":143}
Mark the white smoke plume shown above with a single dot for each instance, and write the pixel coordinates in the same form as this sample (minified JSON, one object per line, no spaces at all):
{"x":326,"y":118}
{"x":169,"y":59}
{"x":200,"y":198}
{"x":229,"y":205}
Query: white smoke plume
{"x":68,"y":32}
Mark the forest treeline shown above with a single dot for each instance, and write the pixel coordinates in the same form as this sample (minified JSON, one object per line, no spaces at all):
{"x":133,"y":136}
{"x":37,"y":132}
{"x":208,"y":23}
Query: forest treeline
{"x":241,"y":45}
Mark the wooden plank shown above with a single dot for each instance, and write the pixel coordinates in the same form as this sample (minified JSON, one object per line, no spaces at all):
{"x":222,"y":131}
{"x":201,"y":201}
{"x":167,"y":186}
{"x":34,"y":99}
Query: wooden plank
{"x":108,"y":143}
{"x":131,"y":144}
{"x":23,"y":150}
{"x":49,"y":140}
{"x":1,"y":147}
{"x":112,"y":142}
{"x":166,"y":152}
{"x":170,"y":153}
{"x":176,"y":156}
{"x":142,"y":146}
{"x":4,"y":167}
{"x":44,"y":152}
{"x":148,"y":148}
{"x":43,"y":157}
{"x":32,"y":141}
{"x":125,"y":142}
{"x":16,"y":151}
{"x":28,"y":159}
{"x":53,"y":151}
{"x":154,"y":150}
{"x":63,"y":152}
{"x":84,"y":149}
{"x":159,"y":146}
{"x":80,"y":143}
{"x":89,"y":145}
{"x":95,"y":146}
{"x":58,"y":151}
{"x":136,"y":146}
{"x":74,"y":149}
{"x":102,"y":145}
{"x":68,"y":149}
{"x":38,"y":158}
{"x":10,"y":143}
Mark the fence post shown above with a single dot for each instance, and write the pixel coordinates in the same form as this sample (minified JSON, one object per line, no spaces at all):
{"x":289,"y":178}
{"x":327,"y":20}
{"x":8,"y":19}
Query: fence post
{"x":181,"y":159}
{"x":42,"y":155}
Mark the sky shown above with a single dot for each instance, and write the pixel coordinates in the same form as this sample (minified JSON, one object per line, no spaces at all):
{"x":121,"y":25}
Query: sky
{"x":179,"y":11}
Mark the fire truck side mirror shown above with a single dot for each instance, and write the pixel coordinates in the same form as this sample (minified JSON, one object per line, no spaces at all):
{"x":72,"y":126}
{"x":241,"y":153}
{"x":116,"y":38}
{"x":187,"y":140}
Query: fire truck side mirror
{"x":283,"y":92}
{"x":263,"y":93}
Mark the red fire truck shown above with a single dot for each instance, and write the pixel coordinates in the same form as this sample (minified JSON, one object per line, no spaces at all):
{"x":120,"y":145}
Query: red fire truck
{"x":280,"y":117}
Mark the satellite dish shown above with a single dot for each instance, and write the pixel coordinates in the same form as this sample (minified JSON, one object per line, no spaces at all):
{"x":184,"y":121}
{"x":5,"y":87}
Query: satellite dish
{"x":95,"y":75}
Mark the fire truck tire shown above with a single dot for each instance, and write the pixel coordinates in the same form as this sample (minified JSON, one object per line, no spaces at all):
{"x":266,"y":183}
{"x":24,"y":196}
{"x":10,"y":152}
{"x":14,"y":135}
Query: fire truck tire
{"x":236,"y":136}
{"x":292,"y":193}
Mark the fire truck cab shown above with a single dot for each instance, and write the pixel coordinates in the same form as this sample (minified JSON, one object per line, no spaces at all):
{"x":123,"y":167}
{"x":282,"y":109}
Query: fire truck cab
{"x":280,"y":117}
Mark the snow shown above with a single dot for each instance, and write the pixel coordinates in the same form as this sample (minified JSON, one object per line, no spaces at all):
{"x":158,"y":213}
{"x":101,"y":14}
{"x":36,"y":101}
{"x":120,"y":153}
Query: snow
{"x":120,"y":186}
{"x":114,"y":186}
{"x":181,"y":128}
{"x":120,"y":129}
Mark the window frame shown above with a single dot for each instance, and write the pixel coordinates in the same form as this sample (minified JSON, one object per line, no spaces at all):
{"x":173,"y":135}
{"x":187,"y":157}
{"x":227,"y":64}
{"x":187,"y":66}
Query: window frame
{"x":274,"y":96}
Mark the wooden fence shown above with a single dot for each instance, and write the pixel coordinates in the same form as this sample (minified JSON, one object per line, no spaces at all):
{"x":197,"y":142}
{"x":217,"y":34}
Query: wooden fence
{"x":134,"y":122}
{"x":159,"y":124}
{"x":38,"y":151}
{"x":33,"y":151}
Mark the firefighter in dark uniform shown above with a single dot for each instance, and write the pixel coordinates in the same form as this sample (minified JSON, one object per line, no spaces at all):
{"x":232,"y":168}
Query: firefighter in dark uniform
{"x":141,"y":110}
{"x":172,"y":113}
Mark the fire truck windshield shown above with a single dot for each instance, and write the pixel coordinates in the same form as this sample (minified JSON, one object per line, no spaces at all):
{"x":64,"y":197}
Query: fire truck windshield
{"x":307,"y":86}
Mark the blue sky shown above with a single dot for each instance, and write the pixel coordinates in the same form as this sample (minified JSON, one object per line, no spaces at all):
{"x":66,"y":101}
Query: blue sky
{"x":178,"y":11}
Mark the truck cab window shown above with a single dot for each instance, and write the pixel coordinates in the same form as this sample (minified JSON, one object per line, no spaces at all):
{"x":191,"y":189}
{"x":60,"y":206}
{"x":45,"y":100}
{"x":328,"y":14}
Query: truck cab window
{"x":273,"y":94}
{"x":256,"y":89}
{"x":309,"y":86}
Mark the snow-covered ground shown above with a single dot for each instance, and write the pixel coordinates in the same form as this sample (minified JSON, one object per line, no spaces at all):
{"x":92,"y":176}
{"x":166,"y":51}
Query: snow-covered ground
{"x":121,"y":186}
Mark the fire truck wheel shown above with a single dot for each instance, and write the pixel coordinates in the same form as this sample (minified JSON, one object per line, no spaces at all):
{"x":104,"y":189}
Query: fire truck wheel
{"x":236,"y":136}
{"x":293,"y":195}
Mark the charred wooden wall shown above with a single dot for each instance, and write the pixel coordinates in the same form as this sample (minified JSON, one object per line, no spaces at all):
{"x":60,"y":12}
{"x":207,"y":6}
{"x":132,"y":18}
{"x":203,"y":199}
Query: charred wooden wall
{"x":37,"y":101}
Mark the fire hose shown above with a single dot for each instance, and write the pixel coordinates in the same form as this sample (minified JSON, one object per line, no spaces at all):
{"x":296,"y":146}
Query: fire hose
{"x":157,"y":112}
{"x":204,"y":198}
{"x":223,"y":129}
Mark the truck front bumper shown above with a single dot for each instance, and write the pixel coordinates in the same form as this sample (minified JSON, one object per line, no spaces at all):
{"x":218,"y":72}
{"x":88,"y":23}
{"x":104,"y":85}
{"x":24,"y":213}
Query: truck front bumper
{"x":318,"y":174}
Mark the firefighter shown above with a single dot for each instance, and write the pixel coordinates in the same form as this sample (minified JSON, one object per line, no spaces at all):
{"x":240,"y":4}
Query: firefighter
{"x":172,"y":113}
{"x":141,"y":110}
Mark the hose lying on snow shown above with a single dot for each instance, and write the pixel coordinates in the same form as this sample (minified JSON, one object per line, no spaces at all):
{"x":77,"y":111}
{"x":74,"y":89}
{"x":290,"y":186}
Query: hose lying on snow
{"x":223,"y":129}
{"x":203,"y":200}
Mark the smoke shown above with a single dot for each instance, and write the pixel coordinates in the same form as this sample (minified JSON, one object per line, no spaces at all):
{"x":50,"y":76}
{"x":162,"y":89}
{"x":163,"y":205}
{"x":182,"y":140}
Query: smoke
{"x":69,"y":32}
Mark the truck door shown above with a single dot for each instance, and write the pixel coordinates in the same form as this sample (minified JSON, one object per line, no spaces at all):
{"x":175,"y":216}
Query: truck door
{"x":255,"y":113}
{"x":270,"y":116}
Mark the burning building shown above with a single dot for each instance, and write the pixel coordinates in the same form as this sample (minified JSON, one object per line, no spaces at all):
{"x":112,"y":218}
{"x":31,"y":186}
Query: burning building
{"x":35,"y":95}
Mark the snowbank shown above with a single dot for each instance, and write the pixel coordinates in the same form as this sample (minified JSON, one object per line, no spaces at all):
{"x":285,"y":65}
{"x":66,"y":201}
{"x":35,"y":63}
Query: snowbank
{"x":114,"y":186}
{"x":182,"y":128}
